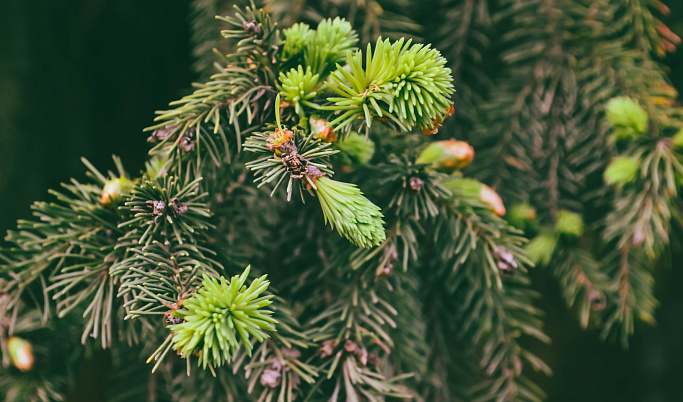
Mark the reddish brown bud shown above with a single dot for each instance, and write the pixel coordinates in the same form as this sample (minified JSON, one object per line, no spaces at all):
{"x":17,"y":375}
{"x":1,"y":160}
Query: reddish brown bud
{"x":270,"y":378}
{"x":279,"y":138}
{"x":327,"y":349}
{"x":447,"y":155}
{"x":363,"y":356}
{"x":350,"y":346}
{"x":321,"y":131}
{"x":489,"y":196}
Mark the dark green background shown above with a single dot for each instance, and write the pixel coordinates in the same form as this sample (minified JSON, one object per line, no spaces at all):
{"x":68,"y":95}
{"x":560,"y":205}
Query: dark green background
{"x":82,"y":78}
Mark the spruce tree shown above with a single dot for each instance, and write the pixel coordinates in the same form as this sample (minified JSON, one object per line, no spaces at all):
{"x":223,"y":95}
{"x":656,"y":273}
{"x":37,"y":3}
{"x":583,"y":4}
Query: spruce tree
{"x":348,"y":205}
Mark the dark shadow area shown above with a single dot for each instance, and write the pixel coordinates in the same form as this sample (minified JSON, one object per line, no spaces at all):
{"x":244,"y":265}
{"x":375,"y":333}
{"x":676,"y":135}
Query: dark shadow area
{"x":82,"y":79}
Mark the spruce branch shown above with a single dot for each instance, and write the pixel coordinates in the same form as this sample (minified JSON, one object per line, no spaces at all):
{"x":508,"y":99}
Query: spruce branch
{"x":298,"y":87}
{"x":403,"y":82}
{"x":278,"y":369}
{"x":634,"y":294}
{"x":354,"y":216}
{"x":416,"y":190}
{"x":347,"y":329}
{"x":456,"y":320}
{"x":156,"y":278}
{"x":583,"y":282}
{"x":68,"y":251}
{"x":637,"y":26}
{"x":320,"y":49}
{"x":242,"y":92}
{"x":256,"y":35}
{"x":554,"y":142}
{"x":361,"y":90}
{"x":219,"y":311}
{"x":491,"y":312}
{"x":164,"y":208}
{"x":233,"y":92}
{"x":293,"y":157}
{"x":296,"y":38}
{"x":643,"y":209}
{"x":638,"y":224}
{"x":422,"y":86}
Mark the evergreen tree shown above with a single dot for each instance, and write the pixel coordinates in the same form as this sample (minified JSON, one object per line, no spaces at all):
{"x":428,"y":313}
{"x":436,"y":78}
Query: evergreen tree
{"x":410,"y":279}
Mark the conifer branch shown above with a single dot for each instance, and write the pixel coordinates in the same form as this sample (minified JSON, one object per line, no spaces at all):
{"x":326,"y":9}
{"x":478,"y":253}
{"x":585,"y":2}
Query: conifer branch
{"x":149,"y":258}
